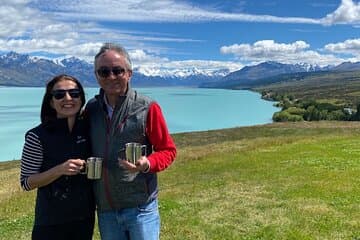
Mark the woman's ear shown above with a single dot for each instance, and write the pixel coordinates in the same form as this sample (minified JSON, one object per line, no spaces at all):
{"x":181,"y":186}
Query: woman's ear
{"x":51,"y":103}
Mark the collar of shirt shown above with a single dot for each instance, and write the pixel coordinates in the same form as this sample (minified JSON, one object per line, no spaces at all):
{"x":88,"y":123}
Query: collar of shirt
{"x":109,"y":108}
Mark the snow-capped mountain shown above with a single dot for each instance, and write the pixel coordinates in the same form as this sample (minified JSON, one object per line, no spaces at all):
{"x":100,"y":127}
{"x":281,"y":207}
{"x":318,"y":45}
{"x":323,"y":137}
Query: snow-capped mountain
{"x":144,"y":76}
{"x":249,"y":74}
{"x":23,"y":70}
{"x":180,"y":73}
{"x":307,"y":67}
{"x":269,"y":69}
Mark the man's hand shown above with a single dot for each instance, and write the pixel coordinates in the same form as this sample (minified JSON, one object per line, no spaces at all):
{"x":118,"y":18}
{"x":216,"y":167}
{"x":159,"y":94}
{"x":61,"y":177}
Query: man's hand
{"x":141,"y":165}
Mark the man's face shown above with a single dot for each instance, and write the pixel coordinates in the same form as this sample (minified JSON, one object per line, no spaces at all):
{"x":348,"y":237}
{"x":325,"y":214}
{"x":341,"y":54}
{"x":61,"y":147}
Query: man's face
{"x":112,"y":73}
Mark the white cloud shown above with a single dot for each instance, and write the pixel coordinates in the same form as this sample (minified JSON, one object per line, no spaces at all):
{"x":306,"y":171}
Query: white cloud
{"x":75,"y":28}
{"x":269,"y":50}
{"x":151,"y":11}
{"x":350,"y":46}
{"x":177,"y":11}
{"x":17,"y":19}
{"x":347,"y":13}
{"x":264,"y":48}
{"x":22,"y":45}
{"x":140,"y":56}
{"x":29,"y":26}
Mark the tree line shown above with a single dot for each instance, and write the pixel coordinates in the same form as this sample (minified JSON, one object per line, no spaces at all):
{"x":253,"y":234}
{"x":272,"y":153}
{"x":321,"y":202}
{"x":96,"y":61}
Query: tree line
{"x":293,"y":109}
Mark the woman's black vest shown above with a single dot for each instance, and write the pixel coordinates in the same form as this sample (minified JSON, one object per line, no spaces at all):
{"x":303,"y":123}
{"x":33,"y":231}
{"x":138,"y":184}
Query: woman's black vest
{"x":69,"y":198}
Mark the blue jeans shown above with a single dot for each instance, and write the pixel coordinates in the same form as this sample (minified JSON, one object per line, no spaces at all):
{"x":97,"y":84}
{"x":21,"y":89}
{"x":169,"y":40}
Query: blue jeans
{"x":138,"y":223}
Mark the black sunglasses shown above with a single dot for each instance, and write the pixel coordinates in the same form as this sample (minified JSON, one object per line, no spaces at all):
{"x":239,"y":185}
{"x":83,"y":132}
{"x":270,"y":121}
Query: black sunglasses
{"x":106,"y":71}
{"x":60,"y":93}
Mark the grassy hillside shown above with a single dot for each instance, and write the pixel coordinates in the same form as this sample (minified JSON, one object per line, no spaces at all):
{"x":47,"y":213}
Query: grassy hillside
{"x":338,"y":87}
{"x":275,"y":181}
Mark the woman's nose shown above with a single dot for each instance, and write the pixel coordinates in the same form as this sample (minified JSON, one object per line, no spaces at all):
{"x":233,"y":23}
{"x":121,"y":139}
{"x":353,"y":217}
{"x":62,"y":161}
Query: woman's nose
{"x":67,"y":95}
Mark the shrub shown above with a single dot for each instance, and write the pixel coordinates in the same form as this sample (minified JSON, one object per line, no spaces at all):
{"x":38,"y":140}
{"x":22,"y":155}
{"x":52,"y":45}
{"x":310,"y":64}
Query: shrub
{"x":336,"y":115}
{"x":296,"y":110}
{"x":285,"y":116}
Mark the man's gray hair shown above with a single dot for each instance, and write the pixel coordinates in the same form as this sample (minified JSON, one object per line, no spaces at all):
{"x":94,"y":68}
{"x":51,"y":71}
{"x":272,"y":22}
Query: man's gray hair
{"x":117,"y":48}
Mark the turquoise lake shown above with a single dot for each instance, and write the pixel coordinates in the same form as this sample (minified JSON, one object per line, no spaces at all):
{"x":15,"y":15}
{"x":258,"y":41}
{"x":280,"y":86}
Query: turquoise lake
{"x":185,"y":110}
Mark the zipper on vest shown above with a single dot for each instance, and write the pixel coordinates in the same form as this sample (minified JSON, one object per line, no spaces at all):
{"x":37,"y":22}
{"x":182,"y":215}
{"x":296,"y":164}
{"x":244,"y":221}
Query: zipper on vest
{"x":121,"y":124}
{"x":105,"y":169}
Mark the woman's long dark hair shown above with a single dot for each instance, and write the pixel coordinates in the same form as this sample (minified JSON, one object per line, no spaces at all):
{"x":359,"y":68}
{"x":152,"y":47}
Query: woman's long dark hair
{"x":48,"y":113}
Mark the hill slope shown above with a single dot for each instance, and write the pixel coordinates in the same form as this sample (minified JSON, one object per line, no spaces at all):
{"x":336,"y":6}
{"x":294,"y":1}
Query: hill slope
{"x":276,"y":181}
{"x":341,"y":87}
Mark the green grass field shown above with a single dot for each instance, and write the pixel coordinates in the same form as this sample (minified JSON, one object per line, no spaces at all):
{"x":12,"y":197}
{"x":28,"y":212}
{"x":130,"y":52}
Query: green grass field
{"x":275,"y":181}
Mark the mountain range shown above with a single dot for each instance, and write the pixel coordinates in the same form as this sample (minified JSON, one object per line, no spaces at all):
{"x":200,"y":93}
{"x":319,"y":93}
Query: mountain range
{"x":254,"y":75}
{"x":23,"y":70}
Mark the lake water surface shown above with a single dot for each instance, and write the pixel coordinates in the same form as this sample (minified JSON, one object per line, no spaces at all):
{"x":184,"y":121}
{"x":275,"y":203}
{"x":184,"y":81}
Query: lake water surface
{"x":185,"y":110}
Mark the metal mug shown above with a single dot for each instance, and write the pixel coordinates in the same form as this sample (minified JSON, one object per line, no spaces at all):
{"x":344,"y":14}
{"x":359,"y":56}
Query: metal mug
{"x":93,"y":168}
{"x":133,"y":151}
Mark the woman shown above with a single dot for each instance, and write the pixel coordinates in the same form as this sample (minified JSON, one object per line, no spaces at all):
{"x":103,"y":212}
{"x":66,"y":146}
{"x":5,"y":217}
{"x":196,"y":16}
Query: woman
{"x":52,"y":157}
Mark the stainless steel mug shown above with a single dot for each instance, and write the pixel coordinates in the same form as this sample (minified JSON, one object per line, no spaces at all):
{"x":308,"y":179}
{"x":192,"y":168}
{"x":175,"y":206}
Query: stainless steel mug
{"x":93,"y":168}
{"x":133,"y":151}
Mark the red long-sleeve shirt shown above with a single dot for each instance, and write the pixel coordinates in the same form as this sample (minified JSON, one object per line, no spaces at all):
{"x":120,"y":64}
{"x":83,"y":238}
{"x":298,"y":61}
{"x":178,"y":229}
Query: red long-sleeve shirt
{"x":158,"y":134}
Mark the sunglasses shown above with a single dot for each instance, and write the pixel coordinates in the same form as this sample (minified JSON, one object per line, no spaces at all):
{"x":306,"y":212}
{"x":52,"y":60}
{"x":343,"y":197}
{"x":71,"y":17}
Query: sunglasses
{"x":105,"y":72}
{"x":60,"y":93}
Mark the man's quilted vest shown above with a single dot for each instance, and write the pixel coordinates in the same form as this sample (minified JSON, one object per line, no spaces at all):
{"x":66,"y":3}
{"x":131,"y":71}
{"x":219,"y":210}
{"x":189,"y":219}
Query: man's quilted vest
{"x":118,"y":188}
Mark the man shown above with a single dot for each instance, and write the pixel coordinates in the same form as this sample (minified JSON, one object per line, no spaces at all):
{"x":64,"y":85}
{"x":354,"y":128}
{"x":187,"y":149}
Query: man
{"x":126,"y":195}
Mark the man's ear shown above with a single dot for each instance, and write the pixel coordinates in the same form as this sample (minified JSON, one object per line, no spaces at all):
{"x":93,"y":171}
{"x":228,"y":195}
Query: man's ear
{"x":130,"y":73}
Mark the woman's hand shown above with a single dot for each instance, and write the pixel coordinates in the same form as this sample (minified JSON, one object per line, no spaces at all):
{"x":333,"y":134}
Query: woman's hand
{"x":71,"y":166}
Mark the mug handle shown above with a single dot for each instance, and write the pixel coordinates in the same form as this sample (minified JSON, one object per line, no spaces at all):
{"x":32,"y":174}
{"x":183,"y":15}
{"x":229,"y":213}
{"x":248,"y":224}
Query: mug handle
{"x":85,"y":169}
{"x":143,"y":153}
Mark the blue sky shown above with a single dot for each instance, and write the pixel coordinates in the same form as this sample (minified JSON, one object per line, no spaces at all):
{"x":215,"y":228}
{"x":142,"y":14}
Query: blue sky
{"x":174,"y":35}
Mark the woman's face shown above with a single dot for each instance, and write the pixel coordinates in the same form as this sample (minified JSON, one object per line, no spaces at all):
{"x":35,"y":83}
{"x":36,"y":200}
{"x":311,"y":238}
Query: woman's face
{"x":66,"y":99}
